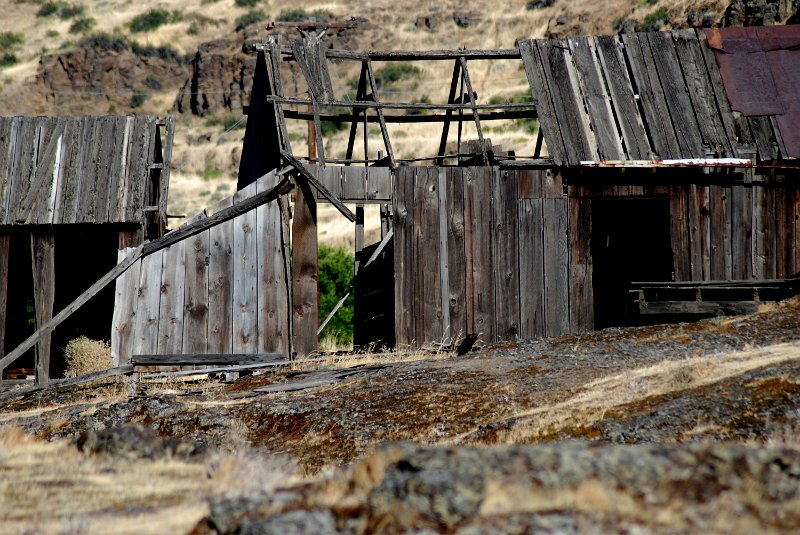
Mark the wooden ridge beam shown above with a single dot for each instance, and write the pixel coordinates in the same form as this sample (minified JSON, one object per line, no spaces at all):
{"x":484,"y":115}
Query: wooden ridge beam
{"x":428,"y":118}
{"x":401,"y":105}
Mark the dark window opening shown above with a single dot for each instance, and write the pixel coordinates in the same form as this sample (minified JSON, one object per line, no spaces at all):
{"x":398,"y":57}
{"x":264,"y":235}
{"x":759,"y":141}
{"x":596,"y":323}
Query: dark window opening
{"x":630,"y":242}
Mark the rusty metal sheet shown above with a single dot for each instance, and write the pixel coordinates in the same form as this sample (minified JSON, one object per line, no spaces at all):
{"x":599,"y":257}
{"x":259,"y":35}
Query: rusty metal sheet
{"x":760,"y":68}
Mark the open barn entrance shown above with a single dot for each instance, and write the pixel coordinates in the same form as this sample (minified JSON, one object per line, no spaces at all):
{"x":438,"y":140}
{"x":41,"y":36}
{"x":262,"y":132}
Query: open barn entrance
{"x":630,"y":242}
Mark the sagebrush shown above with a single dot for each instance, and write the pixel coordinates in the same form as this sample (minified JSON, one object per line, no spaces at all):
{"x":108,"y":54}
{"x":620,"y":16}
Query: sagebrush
{"x":84,"y":355}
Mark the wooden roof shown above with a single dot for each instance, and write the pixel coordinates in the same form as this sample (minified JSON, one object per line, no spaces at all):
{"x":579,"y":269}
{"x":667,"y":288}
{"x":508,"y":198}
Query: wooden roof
{"x":92,"y":169}
{"x":640,"y":96}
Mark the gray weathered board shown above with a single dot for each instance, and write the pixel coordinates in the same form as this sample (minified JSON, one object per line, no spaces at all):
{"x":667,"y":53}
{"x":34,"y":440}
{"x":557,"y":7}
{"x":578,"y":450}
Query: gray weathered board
{"x":221,"y":291}
{"x":635,"y":97}
{"x":89,"y":169}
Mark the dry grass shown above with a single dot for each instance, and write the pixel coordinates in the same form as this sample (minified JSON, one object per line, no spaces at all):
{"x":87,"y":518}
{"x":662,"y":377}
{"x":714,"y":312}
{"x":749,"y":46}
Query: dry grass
{"x":83,"y":356}
{"x":592,"y":401}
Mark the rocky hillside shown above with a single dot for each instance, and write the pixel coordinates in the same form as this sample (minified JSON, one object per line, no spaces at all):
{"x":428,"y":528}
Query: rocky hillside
{"x":667,"y":429}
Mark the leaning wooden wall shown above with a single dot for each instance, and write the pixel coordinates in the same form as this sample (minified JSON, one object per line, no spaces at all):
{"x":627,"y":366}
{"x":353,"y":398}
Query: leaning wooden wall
{"x":486,"y":251}
{"x":223,"y":291}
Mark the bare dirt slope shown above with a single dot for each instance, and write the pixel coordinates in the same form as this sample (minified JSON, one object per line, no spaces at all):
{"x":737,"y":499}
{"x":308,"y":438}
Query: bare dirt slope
{"x":653,"y":430}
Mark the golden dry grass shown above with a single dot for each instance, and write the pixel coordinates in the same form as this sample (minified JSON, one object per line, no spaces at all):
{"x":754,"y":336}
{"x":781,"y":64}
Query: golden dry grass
{"x":593,"y":400}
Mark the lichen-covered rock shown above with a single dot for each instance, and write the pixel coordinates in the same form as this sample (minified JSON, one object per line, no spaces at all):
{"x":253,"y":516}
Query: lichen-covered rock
{"x":135,"y":441}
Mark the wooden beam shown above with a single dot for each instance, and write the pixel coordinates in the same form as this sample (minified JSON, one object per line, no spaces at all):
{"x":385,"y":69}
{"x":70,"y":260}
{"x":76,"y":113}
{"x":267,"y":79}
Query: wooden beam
{"x":417,"y":55}
{"x":72,"y":381}
{"x":305,"y":291}
{"x":312,"y":180}
{"x":284,"y":187}
{"x":401,"y":105}
{"x":449,"y":113}
{"x":427,"y":118}
{"x":473,"y":105}
{"x":5,"y":250}
{"x":44,"y":280}
{"x":204,"y":359}
{"x":361,"y":93}
{"x":384,"y":132}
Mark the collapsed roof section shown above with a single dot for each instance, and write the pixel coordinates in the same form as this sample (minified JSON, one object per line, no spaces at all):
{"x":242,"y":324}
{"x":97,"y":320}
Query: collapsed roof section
{"x":634,"y":99}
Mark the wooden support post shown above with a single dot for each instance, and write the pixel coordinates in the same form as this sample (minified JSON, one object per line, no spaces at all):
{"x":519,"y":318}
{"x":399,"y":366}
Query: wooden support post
{"x":386,"y":219}
{"x":361,"y":93}
{"x":359,"y":237}
{"x":5,"y":250}
{"x":450,"y":100}
{"x":43,"y":252}
{"x":305,"y":302}
{"x":384,"y":131}
{"x":471,"y":95}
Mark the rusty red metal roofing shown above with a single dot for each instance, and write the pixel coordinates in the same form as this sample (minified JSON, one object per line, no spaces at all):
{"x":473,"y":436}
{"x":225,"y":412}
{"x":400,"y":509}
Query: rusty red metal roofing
{"x":760,"y":68}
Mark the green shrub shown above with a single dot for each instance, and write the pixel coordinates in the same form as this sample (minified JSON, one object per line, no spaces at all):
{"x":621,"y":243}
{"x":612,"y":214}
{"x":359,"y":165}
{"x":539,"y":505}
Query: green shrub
{"x":246,"y":3}
{"x":149,"y":51}
{"x":8,"y":59}
{"x":61,"y":9}
{"x":153,"y":19}
{"x":335,"y":280}
{"x":655,"y":20}
{"x":394,"y":72}
{"x":82,"y":25}
{"x":211,"y":173}
{"x":249,"y":18}
{"x":10,"y":40}
{"x":293,"y":15}
{"x":104,"y":42}
{"x":138,"y":98}
{"x":424,"y":99}
{"x":152,"y":82}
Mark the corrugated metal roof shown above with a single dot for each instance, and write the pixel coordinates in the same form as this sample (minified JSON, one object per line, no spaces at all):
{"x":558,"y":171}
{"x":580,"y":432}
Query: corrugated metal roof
{"x":760,"y":68}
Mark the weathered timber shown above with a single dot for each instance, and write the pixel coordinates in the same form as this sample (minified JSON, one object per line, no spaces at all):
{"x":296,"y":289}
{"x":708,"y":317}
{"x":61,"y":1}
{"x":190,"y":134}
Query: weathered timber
{"x":186,"y":231}
{"x":273,"y":286}
{"x":204,"y":359}
{"x":447,"y":117}
{"x":64,"y":383}
{"x":387,"y":143}
{"x":195,"y":292}
{"x":44,"y":281}
{"x":505,"y":255}
{"x":404,"y":255}
{"x":474,"y":108}
{"x":245,"y":277}
{"x":626,"y":111}
{"x":124,"y":318}
{"x":556,"y":265}
{"x":220,"y":285}
{"x":531,"y":284}
{"x":478,"y":194}
{"x":171,"y":312}
{"x":402,"y":105}
{"x":679,"y":233}
{"x":537,"y":79}
{"x":312,"y":181}
{"x":581,"y":299}
{"x":305,"y":306}
{"x":454,"y":233}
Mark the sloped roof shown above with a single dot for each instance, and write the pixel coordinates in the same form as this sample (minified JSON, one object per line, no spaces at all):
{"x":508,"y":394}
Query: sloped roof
{"x":60,"y":170}
{"x":648,"y":96}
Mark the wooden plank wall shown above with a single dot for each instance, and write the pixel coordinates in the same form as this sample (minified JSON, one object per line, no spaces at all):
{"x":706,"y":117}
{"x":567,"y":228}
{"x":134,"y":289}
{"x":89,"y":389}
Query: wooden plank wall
{"x":77,"y":169}
{"x":485,"y":251}
{"x":221,"y":291}
{"x":637,"y":96}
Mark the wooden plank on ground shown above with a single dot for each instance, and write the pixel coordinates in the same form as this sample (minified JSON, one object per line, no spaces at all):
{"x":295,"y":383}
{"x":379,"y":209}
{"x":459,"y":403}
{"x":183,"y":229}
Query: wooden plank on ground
{"x":556,"y":266}
{"x":245,"y":277}
{"x":456,"y":256}
{"x":598,"y":101}
{"x":478,"y":193}
{"x":679,"y":104}
{"x":540,"y":92}
{"x":125,"y":306}
{"x":204,"y":359}
{"x":404,"y":255}
{"x":531,"y":266}
{"x":273,"y":311}
{"x":651,"y":96}
{"x":220,"y":285}
{"x":704,"y":103}
{"x":581,"y":302}
{"x":634,"y":135}
{"x":505,"y":254}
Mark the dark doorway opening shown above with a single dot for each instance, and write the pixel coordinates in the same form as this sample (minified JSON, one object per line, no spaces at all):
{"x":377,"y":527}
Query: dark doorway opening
{"x":630,"y":242}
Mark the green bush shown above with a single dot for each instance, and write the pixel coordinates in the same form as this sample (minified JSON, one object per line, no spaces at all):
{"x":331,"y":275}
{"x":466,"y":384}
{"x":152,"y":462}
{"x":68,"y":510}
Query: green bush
{"x":61,"y":9}
{"x":153,"y":19}
{"x":335,"y":280}
{"x":246,"y":3}
{"x":293,"y":15}
{"x":655,"y":20}
{"x":152,"y":82}
{"x":394,"y":72}
{"x":10,"y":40}
{"x":82,"y":25}
{"x":250,"y":18}
{"x":138,"y":98}
{"x":8,"y":59}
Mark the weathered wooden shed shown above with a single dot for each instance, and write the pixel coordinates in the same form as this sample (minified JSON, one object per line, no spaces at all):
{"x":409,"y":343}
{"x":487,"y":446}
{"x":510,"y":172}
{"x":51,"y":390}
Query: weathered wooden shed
{"x":656,"y":162}
{"x":73,"y":192}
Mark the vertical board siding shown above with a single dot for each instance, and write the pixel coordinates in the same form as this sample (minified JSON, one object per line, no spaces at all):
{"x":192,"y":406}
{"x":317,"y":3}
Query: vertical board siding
{"x":505,"y":255}
{"x":556,"y":266}
{"x":245,"y":276}
{"x":273,"y":319}
{"x":581,"y":302}
{"x":404,"y":256}
{"x":220,"y":286}
{"x":195,"y":291}
{"x":126,"y":293}
{"x":478,"y":195}
{"x":456,"y":253}
{"x":531,"y":268}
